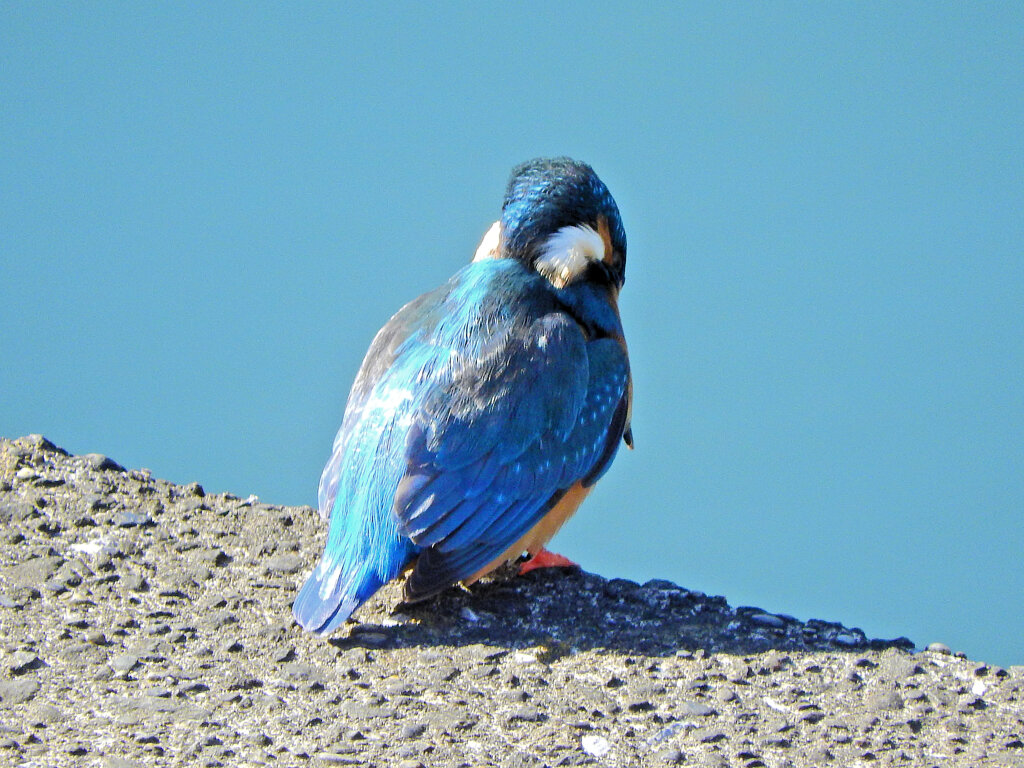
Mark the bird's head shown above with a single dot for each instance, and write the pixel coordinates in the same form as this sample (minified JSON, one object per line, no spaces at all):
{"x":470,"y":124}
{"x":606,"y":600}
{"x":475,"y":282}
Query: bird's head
{"x":559,"y":219}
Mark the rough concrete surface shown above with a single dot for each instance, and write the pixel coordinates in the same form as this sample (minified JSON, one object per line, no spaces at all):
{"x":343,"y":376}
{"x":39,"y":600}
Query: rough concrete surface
{"x":144,"y":623}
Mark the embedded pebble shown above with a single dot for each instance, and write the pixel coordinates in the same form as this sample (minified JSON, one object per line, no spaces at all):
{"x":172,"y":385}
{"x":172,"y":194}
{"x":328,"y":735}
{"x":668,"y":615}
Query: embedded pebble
{"x":14,"y":692}
{"x":725,"y":694}
{"x":671,"y":756}
{"x":886,"y":700}
{"x":598,"y":746}
{"x":288,"y":563}
{"x":127,"y":518}
{"x":159,"y":630}
{"x":100,"y":462}
{"x":22,"y":661}
{"x":694,"y":709}
{"x":768,"y":620}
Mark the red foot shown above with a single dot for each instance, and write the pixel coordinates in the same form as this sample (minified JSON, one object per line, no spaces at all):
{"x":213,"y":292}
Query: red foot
{"x":546,"y":559}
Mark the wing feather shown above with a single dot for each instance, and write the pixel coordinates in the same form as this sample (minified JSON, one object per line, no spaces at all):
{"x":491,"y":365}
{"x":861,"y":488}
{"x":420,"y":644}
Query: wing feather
{"x":560,"y":412}
{"x":475,"y":409}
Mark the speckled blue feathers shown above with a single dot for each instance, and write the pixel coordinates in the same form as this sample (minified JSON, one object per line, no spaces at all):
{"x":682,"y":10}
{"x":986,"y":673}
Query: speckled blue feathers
{"x":478,"y":406}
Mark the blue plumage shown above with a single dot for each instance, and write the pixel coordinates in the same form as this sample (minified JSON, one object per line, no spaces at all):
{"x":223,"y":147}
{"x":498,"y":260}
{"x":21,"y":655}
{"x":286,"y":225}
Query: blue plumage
{"x":483,"y":405}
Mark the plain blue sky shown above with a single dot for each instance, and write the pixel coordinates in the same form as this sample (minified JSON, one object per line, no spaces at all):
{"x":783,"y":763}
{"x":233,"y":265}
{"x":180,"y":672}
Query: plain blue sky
{"x":206,"y":214}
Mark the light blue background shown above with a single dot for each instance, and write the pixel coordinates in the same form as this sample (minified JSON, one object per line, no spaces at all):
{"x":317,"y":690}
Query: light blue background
{"x":206,"y":214}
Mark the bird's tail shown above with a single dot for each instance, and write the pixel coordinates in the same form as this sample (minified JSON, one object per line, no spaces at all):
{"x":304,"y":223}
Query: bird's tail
{"x":323,"y":603}
{"x":363,"y":551}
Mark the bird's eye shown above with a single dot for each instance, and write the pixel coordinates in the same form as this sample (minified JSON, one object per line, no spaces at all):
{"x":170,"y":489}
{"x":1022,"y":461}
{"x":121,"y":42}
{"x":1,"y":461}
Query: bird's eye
{"x":600,"y":272}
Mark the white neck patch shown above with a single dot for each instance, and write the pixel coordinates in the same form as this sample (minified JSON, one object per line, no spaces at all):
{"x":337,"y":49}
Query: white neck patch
{"x":567,"y":253}
{"x":488,"y":248}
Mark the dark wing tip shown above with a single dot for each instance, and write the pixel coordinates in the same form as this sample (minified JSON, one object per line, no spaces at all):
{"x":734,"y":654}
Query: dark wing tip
{"x":431,"y":575}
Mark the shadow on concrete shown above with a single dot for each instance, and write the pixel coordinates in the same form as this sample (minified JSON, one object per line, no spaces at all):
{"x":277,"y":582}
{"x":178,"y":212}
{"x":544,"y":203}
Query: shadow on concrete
{"x":561,"y":610}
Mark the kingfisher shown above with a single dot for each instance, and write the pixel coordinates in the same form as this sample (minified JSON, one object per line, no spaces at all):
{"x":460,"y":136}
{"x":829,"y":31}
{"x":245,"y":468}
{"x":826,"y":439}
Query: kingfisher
{"x":485,"y":410}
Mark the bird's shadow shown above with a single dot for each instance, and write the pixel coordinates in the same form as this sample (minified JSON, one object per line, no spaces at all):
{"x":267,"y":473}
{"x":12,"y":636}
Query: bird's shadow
{"x":557,"y":611}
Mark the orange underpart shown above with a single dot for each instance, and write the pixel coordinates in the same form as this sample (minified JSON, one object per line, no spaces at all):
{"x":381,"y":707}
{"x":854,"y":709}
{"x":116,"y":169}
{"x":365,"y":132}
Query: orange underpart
{"x":546,"y":559}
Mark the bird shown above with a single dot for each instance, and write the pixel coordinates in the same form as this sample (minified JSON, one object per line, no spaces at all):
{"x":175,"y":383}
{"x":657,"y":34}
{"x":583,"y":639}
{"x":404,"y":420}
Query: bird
{"x":485,"y":410}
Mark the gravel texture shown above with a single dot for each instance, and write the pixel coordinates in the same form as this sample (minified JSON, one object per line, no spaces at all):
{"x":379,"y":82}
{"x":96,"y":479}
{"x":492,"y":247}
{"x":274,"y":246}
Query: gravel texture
{"x":146,"y":623}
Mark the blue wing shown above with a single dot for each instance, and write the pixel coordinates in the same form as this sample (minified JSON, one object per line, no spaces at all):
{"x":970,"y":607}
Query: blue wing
{"x":476,"y":408}
{"x":501,"y":444}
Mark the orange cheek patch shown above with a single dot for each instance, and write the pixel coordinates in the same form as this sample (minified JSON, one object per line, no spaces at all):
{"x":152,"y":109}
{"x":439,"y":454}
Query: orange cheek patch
{"x":610,"y":257}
